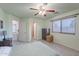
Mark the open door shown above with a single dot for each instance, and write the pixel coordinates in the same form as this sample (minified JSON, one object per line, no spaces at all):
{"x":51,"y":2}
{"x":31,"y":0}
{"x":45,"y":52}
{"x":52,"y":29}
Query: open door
{"x":34,"y":30}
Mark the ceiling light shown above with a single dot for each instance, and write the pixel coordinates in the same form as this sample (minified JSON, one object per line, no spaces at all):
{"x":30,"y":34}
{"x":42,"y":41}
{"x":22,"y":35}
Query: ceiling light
{"x":40,"y":12}
{"x":43,"y":13}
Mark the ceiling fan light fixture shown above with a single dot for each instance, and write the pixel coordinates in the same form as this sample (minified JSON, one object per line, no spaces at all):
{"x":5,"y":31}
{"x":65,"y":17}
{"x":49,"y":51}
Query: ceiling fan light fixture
{"x":40,"y":12}
{"x":43,"y":10}
{"x":44,"y":13}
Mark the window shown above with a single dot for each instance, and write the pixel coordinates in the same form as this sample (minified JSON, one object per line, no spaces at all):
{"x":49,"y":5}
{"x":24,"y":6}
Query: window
{"x":68,"y":25}
{"x":56,"y":26}
{"x":64,"y":26}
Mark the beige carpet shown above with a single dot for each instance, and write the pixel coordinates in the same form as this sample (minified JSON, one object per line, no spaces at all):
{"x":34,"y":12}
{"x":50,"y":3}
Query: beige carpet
{"x":32,"y":49}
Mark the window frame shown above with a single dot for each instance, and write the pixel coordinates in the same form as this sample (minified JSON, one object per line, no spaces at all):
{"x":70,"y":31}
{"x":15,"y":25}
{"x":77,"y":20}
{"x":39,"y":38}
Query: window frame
{"x":62,"y":28}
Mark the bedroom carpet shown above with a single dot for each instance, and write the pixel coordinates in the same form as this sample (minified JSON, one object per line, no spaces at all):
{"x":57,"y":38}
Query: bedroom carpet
{"x":36,"y":48}
{"x":62,"y":50}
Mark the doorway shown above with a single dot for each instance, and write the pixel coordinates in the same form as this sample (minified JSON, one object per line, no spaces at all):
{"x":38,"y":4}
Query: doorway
{"x":34,"y":30}
{"x":15,"y":28}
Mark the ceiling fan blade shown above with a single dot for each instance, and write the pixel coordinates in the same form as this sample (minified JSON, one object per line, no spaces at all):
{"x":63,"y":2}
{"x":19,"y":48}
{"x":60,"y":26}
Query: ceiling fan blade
{"x":36,"y":14}
{"x":44,"y":14}
{"x":50,"y":10}
{"x":33,"y":9}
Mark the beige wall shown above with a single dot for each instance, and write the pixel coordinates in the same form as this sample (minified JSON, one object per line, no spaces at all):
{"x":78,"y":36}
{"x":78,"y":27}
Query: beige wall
{"x":68,"y":40}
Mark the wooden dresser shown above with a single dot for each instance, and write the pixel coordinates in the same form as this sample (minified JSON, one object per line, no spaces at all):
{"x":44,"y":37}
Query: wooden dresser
{"x":49,"y":38}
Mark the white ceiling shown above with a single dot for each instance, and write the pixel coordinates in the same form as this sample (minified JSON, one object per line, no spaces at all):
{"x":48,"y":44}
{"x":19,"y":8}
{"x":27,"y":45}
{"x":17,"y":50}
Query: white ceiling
{"x":22,"y":9}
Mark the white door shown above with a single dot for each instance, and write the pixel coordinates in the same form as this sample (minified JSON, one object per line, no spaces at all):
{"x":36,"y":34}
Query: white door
{"x":22,"y":31}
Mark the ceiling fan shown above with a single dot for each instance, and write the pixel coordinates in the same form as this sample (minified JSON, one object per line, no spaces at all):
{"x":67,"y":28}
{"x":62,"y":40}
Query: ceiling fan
{"x":42,"y":10}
